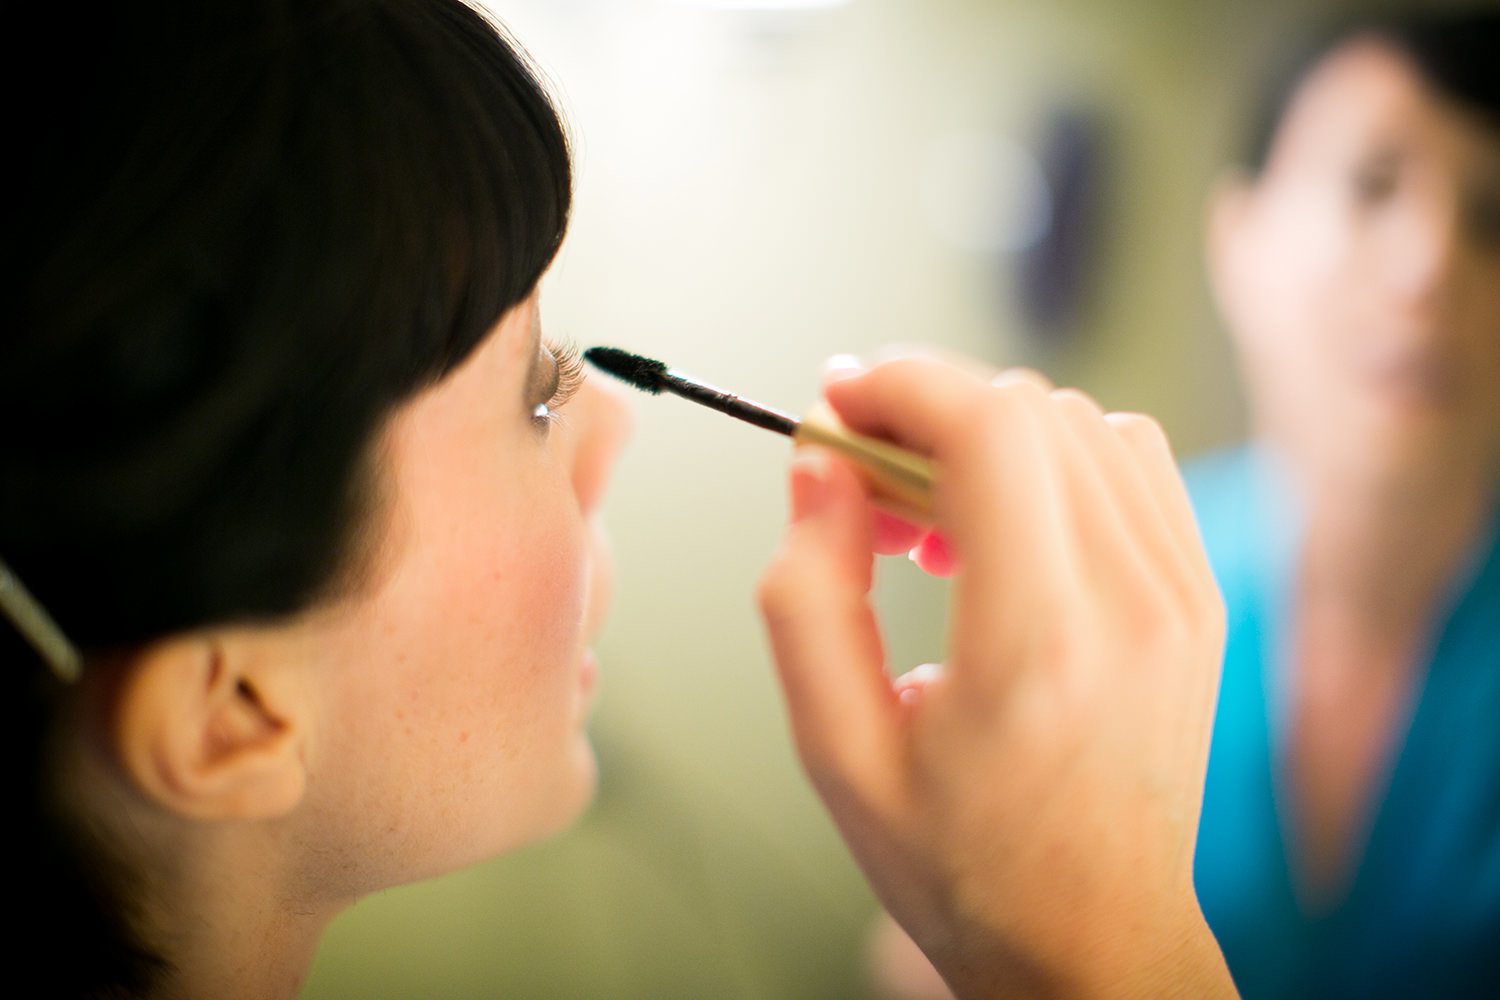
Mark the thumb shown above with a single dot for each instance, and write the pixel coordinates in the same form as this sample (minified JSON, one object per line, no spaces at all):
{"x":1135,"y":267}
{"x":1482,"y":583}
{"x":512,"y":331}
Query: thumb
{"x":824,"y":636}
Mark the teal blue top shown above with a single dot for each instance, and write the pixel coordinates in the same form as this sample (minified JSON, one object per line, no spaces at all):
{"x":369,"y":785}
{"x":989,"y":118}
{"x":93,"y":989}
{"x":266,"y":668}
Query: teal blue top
{"x":1422,"y":915}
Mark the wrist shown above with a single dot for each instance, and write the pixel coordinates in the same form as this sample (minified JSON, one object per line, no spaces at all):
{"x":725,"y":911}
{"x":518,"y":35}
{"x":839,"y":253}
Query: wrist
{"x":1177,"y":957}
{"x":1131,"y":958}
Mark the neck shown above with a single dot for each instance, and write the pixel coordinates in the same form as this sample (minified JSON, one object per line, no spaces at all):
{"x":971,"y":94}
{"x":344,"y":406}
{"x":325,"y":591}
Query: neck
{"x":236,"y":927}
{"x":1378,"y":556}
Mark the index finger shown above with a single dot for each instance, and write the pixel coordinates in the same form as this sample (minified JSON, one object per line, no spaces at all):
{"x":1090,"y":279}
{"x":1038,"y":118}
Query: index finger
{"x":996,"y":496}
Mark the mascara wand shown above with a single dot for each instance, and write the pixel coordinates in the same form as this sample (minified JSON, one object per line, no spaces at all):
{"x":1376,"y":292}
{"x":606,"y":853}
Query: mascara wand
{"x":901,"y":480}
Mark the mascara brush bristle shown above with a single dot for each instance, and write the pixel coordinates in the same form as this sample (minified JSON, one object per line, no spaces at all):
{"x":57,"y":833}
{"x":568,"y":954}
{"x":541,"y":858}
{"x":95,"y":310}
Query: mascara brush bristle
{"x":643,"y":373}
{"x":655,"y":377}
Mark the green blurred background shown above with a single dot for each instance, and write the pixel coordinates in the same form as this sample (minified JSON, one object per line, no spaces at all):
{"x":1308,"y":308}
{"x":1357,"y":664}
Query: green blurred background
{"x":757,"y":190}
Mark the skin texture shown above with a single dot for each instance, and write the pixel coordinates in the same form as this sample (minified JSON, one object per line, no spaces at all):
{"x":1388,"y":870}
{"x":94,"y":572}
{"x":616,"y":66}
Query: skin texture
{"x":1360,"y":278}
{"x":432,"y":720}
{"x":470,"y":663}
{"x":1077,"y":690}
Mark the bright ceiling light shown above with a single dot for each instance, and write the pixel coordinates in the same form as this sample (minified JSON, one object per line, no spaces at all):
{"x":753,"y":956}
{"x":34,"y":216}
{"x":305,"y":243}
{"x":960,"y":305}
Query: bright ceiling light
{"x":764,"y":4}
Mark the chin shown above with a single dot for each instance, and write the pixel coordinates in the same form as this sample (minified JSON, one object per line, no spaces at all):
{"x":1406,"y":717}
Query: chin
{"x":551,"y":806}
{"x":1413,"y":449}
{"x":1385,"y":447}
{"x":586,"y":782}
{"x":569,"y":797}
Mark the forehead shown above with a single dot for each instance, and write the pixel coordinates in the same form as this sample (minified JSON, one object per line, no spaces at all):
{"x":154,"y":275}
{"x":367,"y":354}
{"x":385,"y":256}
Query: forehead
{"x":1367,"y":93}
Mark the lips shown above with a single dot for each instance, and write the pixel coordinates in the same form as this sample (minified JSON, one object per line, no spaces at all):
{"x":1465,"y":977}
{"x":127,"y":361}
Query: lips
{"x":588,"y":673}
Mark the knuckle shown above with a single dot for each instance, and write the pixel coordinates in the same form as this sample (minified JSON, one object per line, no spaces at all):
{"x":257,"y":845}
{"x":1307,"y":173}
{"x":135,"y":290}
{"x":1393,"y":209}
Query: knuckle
{"x":1159,"y":613}
{"x":1139,"y":427}
{"x":906,"y":368}
{"x":1030,"y":391}
{"x":1022,"y":376}
{"x":994,"y":427}
{"x":1076,"y":400}
{"x":999,"y":410}
{"x":776,"y":586}
{"x":1157,"y":620}
{"x":1174,"y":618}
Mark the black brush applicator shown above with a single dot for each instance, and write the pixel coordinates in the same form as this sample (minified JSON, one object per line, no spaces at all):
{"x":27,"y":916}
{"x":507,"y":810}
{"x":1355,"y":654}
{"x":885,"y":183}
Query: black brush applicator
{"x":901,"y":480}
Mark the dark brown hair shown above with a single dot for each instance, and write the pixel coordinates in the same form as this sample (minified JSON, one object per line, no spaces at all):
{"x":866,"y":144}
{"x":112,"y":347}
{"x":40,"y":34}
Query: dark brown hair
{"x":245,"y":230}
{"x":1457,"y":52}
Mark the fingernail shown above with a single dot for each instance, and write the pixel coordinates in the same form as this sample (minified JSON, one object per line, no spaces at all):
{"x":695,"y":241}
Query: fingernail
{"x":934,"y":555}
{"x":911,"y":685}
{"x":926,"y":673}
{"x":809,"y":482}
{"x":841,"y":366}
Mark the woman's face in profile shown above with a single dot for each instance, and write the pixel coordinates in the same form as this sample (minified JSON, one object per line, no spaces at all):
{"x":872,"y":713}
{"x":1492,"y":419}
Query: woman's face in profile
{"x":1360,"y":273}
{"x":453,"y":695}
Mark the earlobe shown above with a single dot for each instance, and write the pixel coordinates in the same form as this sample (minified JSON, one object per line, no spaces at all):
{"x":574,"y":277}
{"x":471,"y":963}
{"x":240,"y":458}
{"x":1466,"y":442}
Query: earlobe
{"x":200,"y":725}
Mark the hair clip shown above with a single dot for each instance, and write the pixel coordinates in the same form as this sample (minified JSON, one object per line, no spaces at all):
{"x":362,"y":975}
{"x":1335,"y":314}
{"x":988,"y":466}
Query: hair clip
{"x":38,"y":628}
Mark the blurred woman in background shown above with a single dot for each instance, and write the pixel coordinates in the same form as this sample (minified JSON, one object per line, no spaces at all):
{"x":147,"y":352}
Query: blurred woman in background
{"x":1350,"y":840}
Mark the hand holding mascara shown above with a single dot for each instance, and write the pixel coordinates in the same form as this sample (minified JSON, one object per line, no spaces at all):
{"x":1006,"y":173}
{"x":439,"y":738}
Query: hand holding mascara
{"x":1082,"y":664}
{"x":899,"y":479}
{"x":1076,"y":693}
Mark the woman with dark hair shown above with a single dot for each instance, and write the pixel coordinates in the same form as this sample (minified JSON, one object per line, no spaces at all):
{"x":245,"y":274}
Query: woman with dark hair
{"x":299,"y":560}
{"x":1350,"y":840}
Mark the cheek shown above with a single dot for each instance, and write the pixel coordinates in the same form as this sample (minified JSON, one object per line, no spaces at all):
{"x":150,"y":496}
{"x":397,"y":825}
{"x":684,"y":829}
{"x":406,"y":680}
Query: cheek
{"x":515,"y":721}
{"x":467,"y":708}
{"x":1302,"y":294}
{"x":518,"y":607}
{"x":1308,"y":252}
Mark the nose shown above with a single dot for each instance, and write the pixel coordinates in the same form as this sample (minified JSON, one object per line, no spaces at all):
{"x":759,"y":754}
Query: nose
{"x":605,"y":419}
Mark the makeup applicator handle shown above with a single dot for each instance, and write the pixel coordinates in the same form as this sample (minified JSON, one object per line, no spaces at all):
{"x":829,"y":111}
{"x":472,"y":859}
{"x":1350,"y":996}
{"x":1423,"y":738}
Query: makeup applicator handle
{"x":900,"y":480}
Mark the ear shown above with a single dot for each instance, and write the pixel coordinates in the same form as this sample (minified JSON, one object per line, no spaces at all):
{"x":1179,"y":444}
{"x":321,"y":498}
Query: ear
{"x":1226,"y":235}
{"x":210,"y":726}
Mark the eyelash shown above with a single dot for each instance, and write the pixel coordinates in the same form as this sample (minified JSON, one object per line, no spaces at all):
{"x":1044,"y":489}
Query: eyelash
{"x":570,"y":373}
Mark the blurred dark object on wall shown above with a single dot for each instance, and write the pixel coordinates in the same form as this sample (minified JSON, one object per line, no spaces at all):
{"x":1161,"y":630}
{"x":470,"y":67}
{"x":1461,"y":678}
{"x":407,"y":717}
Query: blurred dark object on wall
{"x":1055,"y":276}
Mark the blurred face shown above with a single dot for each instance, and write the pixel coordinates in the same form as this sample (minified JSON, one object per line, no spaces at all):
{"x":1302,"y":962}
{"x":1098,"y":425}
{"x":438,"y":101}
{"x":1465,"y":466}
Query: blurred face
{"x":455,"y":694}
{"x":1360,"y":275}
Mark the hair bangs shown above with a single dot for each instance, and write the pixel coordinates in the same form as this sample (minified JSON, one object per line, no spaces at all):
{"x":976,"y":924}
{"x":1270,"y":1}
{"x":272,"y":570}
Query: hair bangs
{"x":473,"y":197}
